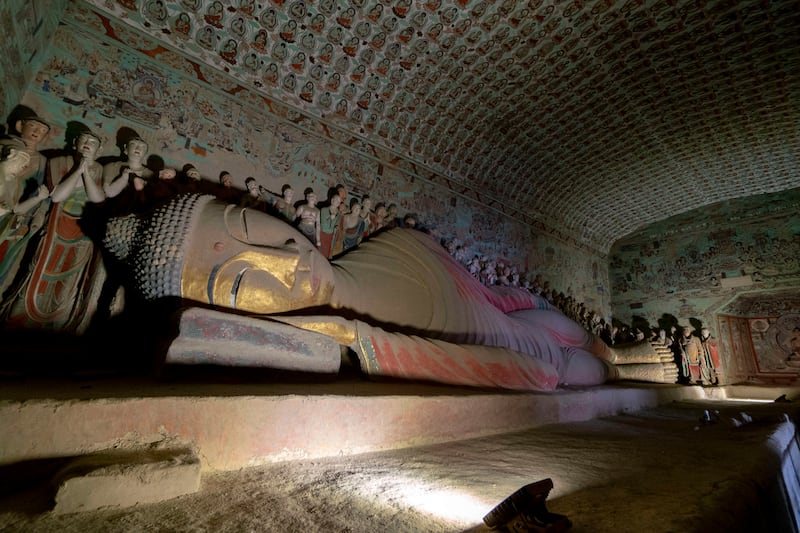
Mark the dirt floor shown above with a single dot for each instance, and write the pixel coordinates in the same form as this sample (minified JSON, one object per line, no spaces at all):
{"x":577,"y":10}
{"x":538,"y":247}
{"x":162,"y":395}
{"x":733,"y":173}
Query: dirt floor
{"x":662,"y":470}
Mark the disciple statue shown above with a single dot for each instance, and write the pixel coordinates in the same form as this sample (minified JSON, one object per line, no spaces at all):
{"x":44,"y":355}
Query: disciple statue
{"x":125,"y":180}
{"x":399,"y":301}
{"x":284,"y":204}
{"x":254,"y":197}
{"x":330,"y":225}
{"x":226,"y":191}
{"x":366,"y":211}
{"x":353,"y":225}
{"x":55,"y":295}
{"x":26,"y":179}
{"x":22,"y":194}
{"x":191,"y":181}
{"x":309,"y":219}
{"x":692,"y":356}
{"x":711,"y":356}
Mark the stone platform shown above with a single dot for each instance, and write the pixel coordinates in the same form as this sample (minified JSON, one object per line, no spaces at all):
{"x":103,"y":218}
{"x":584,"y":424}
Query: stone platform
{"x":239,"y":424}
{"x":626,"y":457}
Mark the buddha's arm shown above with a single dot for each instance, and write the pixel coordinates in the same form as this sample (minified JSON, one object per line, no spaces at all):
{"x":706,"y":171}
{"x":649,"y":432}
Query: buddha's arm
{"x":411,"y":357}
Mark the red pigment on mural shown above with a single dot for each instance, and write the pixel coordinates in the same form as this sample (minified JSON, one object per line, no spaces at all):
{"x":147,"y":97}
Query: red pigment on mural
{"x":107,"y":25}
{"x":199,"y":150}
{"x":155,"y":52}
{"x":198,"y":72}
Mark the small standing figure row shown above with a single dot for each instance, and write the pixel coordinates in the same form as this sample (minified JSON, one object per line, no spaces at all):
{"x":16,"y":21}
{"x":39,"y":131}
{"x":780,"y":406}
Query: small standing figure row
{"x":334,"y":226}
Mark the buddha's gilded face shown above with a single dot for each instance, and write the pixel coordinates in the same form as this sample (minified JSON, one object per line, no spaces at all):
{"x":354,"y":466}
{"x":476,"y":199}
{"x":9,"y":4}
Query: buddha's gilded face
{"x":245,"y":259}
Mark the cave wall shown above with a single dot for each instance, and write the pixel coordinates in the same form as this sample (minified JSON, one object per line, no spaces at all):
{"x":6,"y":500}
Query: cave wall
{"x":107,"y":76}
{"x":733,"y":267}
{"x":27,"y":27}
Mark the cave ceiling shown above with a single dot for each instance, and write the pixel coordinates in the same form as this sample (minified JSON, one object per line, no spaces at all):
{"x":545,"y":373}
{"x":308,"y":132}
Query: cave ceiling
{"x":592,"y":117}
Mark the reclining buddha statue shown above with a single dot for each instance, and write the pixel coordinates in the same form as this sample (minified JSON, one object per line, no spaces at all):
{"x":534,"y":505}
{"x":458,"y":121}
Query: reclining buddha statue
{"x":399,"y":301}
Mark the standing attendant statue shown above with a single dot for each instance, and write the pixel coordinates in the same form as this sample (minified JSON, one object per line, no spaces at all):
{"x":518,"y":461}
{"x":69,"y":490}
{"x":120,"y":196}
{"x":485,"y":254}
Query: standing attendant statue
{"x":710,"y":357}
{"x":692,"y":355}
{"x":125,"y":180}
{"x":330,"y":225}
{"x":309,"y":218}
{"x":353,"y":226}
{"x":56,"y":294}
{"x":284,"y":205}
{"x":23,"y":196}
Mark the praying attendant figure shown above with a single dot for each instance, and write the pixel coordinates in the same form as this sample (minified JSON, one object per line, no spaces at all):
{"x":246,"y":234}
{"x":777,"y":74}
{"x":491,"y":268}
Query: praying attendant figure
{"x":56,"y":295}
{"x":330,"y":225}
{"x":24,"y":182}
{"x":126,"y":180}
{"x":353,"y":226}
{"x":366,"y":211}
{"x":377,"y":219}
{"x":24,"y":200}
{"x":226,"y":191}
{"x":191,"y":181}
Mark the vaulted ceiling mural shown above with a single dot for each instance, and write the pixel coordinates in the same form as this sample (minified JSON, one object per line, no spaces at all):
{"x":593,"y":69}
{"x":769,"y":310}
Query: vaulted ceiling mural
{"x":594,"y":117}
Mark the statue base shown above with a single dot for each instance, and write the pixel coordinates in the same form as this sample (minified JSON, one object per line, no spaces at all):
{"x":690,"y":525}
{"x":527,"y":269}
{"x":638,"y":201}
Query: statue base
{"x":208,"y":337}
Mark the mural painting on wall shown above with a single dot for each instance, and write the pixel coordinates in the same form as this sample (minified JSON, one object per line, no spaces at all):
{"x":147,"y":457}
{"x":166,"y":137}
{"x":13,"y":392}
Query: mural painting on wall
{"x":764,"y":331}
{"x":183,"y":120}
{"x":694,"y":262}
{"x":25,"y":26}
{"x":669,"y":263}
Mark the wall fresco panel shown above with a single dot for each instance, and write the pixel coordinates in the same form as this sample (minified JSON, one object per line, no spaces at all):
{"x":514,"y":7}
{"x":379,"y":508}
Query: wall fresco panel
{"x":108,"y":77}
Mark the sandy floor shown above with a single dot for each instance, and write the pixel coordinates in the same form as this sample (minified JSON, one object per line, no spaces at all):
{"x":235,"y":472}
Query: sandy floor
{"x":655,"y":471}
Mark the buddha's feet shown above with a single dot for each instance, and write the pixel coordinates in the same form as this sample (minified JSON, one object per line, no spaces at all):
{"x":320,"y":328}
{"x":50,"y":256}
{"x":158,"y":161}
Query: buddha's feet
{"x":641,"y":352}
{"x":651,"y":372}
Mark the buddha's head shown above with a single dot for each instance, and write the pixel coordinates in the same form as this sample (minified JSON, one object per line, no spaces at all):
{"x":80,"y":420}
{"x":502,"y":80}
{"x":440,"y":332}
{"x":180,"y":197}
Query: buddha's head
{"x":200,"y":249}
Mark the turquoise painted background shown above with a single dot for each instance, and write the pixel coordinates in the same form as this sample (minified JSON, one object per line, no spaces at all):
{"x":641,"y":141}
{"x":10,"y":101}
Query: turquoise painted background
{"x":702,"y":266}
